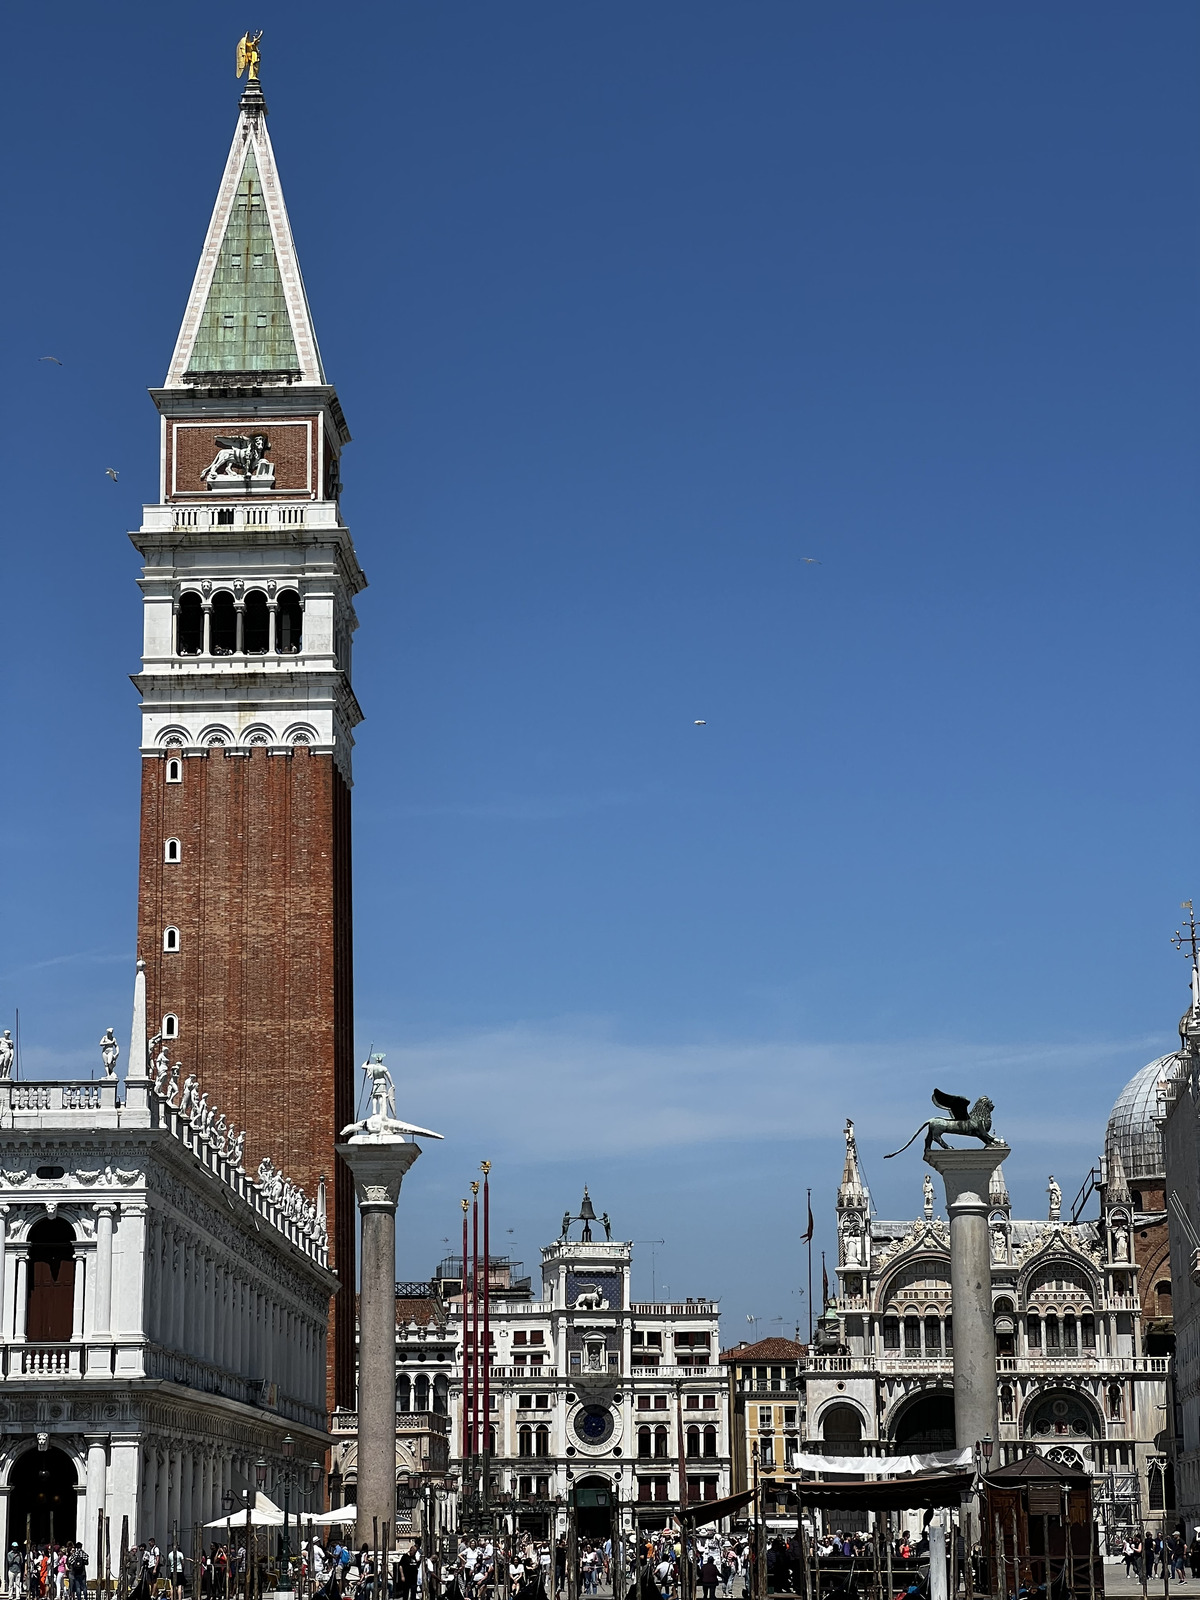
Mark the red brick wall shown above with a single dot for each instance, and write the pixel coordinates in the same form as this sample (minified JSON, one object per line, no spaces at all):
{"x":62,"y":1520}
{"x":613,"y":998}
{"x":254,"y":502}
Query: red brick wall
{"x":191,"y":449}
{"x":263,"y":981}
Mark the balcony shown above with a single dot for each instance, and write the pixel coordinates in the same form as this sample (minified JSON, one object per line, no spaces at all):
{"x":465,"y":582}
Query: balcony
{"x":58,"y":1094}
{"x":537,"y":1374}
{"x":234,"y":518}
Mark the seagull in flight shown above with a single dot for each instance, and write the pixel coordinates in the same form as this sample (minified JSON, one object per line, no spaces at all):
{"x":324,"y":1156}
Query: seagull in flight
{"x":812,"y":561}
{"x":55,"y":360}
{"x":111,"y":472}
{"x":700,"y":722}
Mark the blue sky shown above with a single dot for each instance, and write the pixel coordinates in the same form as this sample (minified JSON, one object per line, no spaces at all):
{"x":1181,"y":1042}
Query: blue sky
{"x":632,"y":309}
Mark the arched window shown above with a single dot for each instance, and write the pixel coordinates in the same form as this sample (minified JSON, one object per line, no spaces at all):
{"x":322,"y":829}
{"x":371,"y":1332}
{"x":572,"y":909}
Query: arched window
{"x":174,"y":770}
{"x":660,"y":1443}
{"x":525,"y":1442}
{"x":404,"y":1392}
{"x":50,"y":1310}
{"x":1087,"y":1330}
{"x":171,"y":939}
{"x":223,"y":624}
{"x":933,"y":1335}
{"x":172,"y":850}
{"x":289,"y":634}
{"x":1114,"y":1402}
{"x":710,"y":1440}
{"x":421,"y":1391}
{"x":170,"y":1026}
{"x":1053,"y":1342}
{"x":692,"y":1443}
{"x":891,"y":1333}
{"x":441,"y":1394}
{"x":542,"y":1442}
{"x":189,"y":625}
{"x":1006,"y":1403}
{"x":644,"y":1444}
{"x":1162,"y":1293}
{"x":912,"y":1335}
{"x":255,"y":626}
{"x":1035,"y":1333}
{"x":1070,"y":1336}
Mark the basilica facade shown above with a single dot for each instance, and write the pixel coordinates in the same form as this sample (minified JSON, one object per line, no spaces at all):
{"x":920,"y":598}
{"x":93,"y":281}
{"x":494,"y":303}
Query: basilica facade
{"x":1082,"y":1317}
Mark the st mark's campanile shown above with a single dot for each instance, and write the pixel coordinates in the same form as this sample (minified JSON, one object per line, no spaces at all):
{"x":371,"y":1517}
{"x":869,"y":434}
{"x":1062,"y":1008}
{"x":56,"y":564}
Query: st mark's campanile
{"x":249,"y":579}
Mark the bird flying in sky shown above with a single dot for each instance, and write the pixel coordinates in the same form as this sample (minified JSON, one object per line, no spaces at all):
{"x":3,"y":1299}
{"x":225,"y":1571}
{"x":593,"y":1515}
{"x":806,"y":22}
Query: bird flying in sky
{"x":55,"y":360}
{"x":700,"y":722}
{"x":111,"y":472}
{"x":812,"y":561}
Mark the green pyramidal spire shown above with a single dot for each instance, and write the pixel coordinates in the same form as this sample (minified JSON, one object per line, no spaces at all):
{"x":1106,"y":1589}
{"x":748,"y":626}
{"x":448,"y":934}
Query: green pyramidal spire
{"x":245,"y":326}
{"x":247,"y":315}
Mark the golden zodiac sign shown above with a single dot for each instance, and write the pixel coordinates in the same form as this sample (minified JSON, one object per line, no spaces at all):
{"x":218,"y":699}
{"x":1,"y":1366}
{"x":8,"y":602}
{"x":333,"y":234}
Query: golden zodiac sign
{"x":248,"y":56}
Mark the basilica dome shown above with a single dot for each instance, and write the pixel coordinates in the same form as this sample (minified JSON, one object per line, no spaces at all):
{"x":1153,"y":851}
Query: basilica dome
{"x":1132,"y":1129}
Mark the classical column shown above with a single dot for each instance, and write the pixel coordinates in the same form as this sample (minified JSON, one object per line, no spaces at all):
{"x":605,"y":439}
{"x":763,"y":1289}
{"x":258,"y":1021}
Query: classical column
{"x":3,"y":1253}
{"x":80,"y":1289}
{"x":968,"y":1176}
{"x":95,"y":1500}
{"x":21,"y":1297}
{"x":378,"y":1154}
{"x":99,"y":1358}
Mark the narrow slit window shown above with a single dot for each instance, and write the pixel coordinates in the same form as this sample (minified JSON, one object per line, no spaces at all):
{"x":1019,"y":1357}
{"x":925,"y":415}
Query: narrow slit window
{"x":174,"y":770}
{"x":171,"y":939}
{"x":172,"y":850}
{"x":170,"y":1026}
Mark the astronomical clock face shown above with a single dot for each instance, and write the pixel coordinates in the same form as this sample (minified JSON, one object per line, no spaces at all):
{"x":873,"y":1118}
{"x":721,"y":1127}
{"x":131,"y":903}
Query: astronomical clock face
{"x":595,"y":1428}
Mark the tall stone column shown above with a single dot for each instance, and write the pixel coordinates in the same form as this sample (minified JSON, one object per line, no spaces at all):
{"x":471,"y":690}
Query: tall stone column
{"x":378,"y":1154}
{"x":968,"y":1176}
{"x":96,"y":1499}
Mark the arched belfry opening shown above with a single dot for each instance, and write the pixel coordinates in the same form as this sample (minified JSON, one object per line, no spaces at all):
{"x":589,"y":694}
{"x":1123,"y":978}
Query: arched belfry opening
{"x":42,"y":1497}
{"x":50,"y":1310}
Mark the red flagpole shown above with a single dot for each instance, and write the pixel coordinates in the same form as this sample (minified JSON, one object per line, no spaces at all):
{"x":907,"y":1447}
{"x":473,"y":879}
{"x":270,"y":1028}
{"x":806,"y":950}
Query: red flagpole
{"x":466,"y":1381}
{"x":486,"y":1347}
{"x":475,"y":1320}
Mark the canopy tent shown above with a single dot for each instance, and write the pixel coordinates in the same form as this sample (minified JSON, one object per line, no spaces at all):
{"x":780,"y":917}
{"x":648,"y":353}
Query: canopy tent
{"x":332,"y":1519}
{"x":888,"y":1494}
{"x":711,"y":1510}
{"x":263,"y":1514}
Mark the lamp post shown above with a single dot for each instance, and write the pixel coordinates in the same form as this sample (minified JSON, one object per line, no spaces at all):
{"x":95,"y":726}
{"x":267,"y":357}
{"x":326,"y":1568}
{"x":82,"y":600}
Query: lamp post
{"x":288,"y":1474}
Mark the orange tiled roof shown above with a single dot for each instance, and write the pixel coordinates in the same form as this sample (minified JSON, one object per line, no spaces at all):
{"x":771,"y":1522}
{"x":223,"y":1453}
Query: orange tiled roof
{"x":767,"y":1350}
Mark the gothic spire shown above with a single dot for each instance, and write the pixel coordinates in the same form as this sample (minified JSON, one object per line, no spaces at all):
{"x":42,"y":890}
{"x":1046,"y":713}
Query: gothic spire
{"x":1116,"y":1188}
{"x":247,"y":320}
{"x":852,"y":1191}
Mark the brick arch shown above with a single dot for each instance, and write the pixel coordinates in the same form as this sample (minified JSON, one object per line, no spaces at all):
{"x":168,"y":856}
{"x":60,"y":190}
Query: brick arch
{"x":1155,"y":1269}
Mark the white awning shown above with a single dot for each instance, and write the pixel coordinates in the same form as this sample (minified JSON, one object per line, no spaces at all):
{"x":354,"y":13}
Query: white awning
{"x":263,"y":1514}
{"x":331,"y":1519}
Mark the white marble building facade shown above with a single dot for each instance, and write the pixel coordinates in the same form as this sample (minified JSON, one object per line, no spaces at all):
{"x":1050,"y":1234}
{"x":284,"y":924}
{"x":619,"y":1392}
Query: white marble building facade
{"x":163,"y":1312}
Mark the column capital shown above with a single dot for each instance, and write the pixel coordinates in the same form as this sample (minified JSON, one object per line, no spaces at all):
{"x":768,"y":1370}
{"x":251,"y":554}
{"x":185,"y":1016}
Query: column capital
{"x":378,"y":1162}
{"x":967,"y":1175}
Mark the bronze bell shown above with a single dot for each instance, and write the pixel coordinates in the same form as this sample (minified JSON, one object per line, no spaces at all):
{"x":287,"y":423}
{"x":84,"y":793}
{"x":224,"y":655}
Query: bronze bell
{"x":587,"y":1211}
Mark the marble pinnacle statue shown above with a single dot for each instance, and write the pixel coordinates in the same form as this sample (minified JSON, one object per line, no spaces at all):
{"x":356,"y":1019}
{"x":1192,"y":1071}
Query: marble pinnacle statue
{"x":973,"y":1121}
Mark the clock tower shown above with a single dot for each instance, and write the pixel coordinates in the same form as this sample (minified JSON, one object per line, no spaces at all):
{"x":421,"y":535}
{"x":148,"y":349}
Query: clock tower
{"x":248,"y":586}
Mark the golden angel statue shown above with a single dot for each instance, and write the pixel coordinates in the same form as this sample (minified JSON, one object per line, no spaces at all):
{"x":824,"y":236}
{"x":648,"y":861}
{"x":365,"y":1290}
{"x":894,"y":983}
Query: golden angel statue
{"x":248,"y":56}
